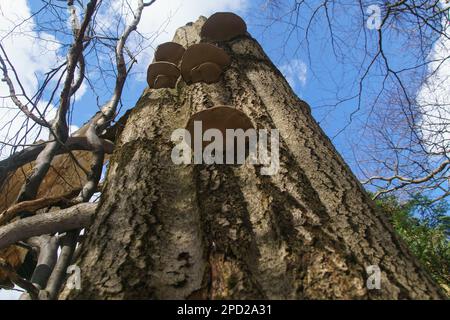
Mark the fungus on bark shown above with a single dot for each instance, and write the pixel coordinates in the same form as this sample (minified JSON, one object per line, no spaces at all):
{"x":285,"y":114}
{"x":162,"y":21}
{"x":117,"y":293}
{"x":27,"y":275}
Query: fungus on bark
{"x":162,"y":75}
{"x":223,"y":26}
{"x":203,"y":62}
{"x":169,"y":52}
{"x":221,"y":118}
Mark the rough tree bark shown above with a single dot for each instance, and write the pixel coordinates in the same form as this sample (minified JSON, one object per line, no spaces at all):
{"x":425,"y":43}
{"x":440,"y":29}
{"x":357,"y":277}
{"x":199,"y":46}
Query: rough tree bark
{"x":208,"y":231}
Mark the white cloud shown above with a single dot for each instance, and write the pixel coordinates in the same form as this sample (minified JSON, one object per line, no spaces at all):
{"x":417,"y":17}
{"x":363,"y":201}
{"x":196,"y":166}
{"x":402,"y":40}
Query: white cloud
{"x":32,"y":54}
{"x":29,"y":55}
{"x":433,"y":98}
{"x":295,"y":72}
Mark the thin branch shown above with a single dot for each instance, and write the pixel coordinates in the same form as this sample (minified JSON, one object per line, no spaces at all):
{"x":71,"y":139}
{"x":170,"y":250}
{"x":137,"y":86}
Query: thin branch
{"x":34,"y":205}
{"x":59,"y":123}
{"x":68,"y":244}
{"x":12,"y":93}
{"x":48,"y":253}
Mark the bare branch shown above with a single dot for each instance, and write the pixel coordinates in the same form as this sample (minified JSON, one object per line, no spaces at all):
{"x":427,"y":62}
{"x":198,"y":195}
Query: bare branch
{"x":68,"y":244}
{"x":48,"y":252}
{"x":30,"y":154}
{"x":34,"y":205}
{"x":59,"y":124}
{"x":76,"y":217}
{"x":108,"y":111}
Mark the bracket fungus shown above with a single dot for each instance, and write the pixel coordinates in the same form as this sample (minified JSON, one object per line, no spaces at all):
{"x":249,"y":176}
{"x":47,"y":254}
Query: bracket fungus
{"x":221,"y":118}
{"x":162,"y":74}
{"x":169,"y":52}
{"x":203,"y":62}
{"x":223,"y":26}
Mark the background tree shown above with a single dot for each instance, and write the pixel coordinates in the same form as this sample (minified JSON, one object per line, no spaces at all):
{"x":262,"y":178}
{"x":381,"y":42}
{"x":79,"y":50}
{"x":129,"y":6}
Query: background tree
{"x":425,"y":227}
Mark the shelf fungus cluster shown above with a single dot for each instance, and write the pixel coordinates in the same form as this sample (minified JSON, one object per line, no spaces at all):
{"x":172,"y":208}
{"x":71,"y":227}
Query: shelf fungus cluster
{"x":164,"y":72}
{"x":205,"y":62}
{"x":202,"y":62}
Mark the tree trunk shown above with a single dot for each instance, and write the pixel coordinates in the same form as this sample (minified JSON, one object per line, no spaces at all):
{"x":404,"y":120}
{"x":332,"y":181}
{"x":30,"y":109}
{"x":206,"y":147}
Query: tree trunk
{"x":167,"y":231}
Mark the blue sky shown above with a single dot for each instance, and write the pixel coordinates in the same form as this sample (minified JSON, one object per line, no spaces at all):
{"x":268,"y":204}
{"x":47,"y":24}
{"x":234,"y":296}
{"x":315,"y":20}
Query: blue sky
{"x":321,"y":75}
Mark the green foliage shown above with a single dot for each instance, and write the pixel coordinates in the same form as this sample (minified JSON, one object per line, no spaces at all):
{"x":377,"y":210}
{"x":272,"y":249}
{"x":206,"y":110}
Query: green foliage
{"x":425,"y":227}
